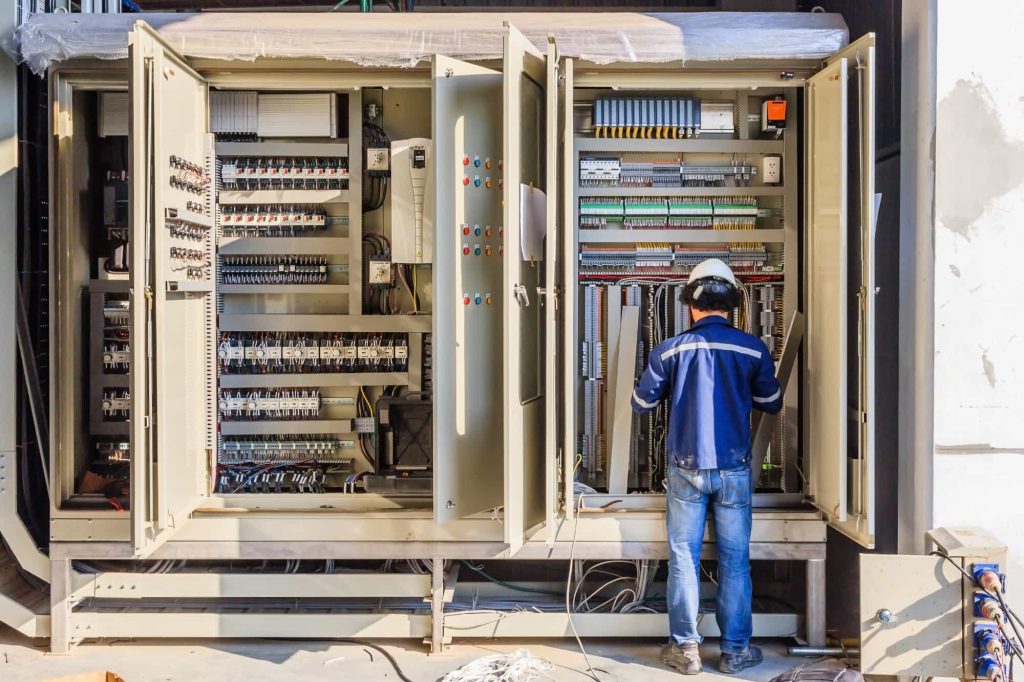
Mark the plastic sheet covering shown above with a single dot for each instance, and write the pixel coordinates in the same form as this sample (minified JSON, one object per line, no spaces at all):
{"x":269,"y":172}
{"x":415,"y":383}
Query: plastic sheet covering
{"x":405,"y":40}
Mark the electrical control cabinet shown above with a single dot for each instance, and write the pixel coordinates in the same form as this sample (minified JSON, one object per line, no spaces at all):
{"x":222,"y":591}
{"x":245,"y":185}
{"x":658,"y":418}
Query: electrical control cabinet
{"x":297,"y":330}
{"x":271,"y":295}
{"x":651,"y":190}
{"x":273,"y":300}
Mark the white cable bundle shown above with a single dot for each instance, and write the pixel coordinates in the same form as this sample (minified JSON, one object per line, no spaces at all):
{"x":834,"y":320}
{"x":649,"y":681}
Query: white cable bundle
{"x":520,"y":666}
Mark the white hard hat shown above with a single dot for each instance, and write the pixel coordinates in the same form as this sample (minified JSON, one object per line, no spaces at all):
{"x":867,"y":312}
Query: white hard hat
{"x":713,"y":267}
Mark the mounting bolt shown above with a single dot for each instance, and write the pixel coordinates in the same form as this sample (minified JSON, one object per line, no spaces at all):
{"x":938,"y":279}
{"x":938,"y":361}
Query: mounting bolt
{"x":884,"y":616}
{"x":449,"y":505}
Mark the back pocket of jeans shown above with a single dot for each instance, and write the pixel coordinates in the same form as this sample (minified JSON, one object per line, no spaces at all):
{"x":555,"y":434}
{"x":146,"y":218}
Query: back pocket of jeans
{"x":736,"y":488}
{"x":681,"y":488}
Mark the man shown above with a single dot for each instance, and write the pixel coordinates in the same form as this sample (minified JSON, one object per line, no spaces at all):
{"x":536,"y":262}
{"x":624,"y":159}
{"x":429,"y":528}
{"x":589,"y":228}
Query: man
{"x":714,"y":374}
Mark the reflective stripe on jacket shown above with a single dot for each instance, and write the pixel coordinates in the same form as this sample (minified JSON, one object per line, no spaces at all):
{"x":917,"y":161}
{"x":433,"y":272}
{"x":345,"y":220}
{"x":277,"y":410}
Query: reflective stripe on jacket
{"x":714,"y":374}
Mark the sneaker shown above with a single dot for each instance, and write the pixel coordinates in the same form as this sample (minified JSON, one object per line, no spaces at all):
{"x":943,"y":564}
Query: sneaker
{"x":683,"y":657}
{"x":733,"y":663}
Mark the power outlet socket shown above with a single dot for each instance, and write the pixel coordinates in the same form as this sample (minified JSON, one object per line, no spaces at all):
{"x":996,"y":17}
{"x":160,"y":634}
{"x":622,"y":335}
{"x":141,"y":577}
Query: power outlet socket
{"x":771,"y":171}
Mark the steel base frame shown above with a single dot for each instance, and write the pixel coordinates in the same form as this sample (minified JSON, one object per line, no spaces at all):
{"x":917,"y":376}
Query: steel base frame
{"x":437,"y":628}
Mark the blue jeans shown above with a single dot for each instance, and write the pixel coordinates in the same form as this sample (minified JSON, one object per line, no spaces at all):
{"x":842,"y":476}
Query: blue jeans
{"x":728,"y":491}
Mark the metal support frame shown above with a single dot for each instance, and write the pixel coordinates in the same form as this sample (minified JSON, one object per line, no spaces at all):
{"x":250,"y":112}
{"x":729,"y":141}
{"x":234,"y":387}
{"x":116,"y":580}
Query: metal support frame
{"x":815,"y":622}
{"x":60,"y":606}
{"x":438,"y":589}
{"x":437,"y":600}
{"x":521,"y":624}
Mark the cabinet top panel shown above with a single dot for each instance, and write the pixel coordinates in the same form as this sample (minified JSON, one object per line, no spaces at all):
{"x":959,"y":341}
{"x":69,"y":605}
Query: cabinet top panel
{"x":389,"y":40}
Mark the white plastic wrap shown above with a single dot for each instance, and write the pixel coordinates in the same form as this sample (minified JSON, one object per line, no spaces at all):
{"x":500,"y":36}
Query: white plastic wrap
{"x":405,"y":40}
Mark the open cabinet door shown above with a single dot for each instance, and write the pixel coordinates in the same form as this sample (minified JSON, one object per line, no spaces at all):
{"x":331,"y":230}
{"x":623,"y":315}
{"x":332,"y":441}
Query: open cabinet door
{"x":840,"y":291}
{"x":567,"y":269}
{"x":553,"y":112}
{"x":468,"y":327}
{"x":172,"y":293}
{"x":526,"y":213}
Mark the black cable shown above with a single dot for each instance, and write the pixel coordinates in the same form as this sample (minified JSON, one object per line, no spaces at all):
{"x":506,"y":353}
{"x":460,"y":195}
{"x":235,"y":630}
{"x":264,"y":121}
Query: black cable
{"x":1011,"y":617}
{"x":382,"y":651}
{"x":1015,"y":645}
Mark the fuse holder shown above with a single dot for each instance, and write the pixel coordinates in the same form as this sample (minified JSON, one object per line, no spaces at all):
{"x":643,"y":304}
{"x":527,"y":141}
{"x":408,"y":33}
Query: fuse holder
{"x":476,"y":249}
{"x":465,"y":249}
{"x":476,"y":230}
{"x":487,"y":250}
{"x":465,"y":180}
{"x":478,"y":299}
{"x":465,"y":299}
{"x":476,"y":161}
{"x":488,"y":231}
{"x":465,"y":230}
{"x":488,"y":184}
{"x":487,"y":163}
{"x":465,"y":160}
{"x":476,"y":181}
{"x":490,"y":299}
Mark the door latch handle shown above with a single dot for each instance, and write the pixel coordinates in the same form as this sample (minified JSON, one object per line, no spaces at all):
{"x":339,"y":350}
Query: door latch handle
{"x":522,"y":298}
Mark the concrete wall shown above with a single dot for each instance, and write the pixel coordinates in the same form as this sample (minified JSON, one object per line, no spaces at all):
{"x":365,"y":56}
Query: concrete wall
{"x":978,"y":464}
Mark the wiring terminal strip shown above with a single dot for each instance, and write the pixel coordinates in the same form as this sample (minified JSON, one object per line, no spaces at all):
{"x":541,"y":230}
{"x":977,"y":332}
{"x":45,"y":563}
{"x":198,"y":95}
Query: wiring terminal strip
{"x":274,"y":269}
{"x":116,"y":404}
{"x":273,"y":220}
{"x":262,"y":173}
{"x":291,"y":353}
{"x":282,"y":404}
{"x":615,"y":171}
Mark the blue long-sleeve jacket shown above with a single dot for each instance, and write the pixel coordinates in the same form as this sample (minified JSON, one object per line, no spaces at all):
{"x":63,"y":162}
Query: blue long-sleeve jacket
{"x":714,"y":374}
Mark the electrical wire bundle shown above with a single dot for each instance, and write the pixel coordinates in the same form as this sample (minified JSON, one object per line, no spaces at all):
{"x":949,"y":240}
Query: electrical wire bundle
{"x":990,"y":583}
{"x":631,"y":596}
{"x":375,"y":189}
{"x":278,"y":477}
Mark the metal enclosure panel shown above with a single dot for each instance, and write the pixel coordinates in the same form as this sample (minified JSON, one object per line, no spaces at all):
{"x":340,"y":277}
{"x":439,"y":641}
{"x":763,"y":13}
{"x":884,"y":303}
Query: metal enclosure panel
{"x":523,"y":123}
{"x":861,"y":526}
{"x":825,"y":378}
{"x":551,"y":289}
{"x":138,"y":277}
{"x":468,"y":393}
{"x":568,"y":284}
{"x":170,"y":480}
{"x":924,"y":637}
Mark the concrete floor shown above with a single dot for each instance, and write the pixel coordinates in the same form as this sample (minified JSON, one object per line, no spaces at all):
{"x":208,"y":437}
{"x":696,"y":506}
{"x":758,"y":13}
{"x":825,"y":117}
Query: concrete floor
{"x":24,"y":660}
